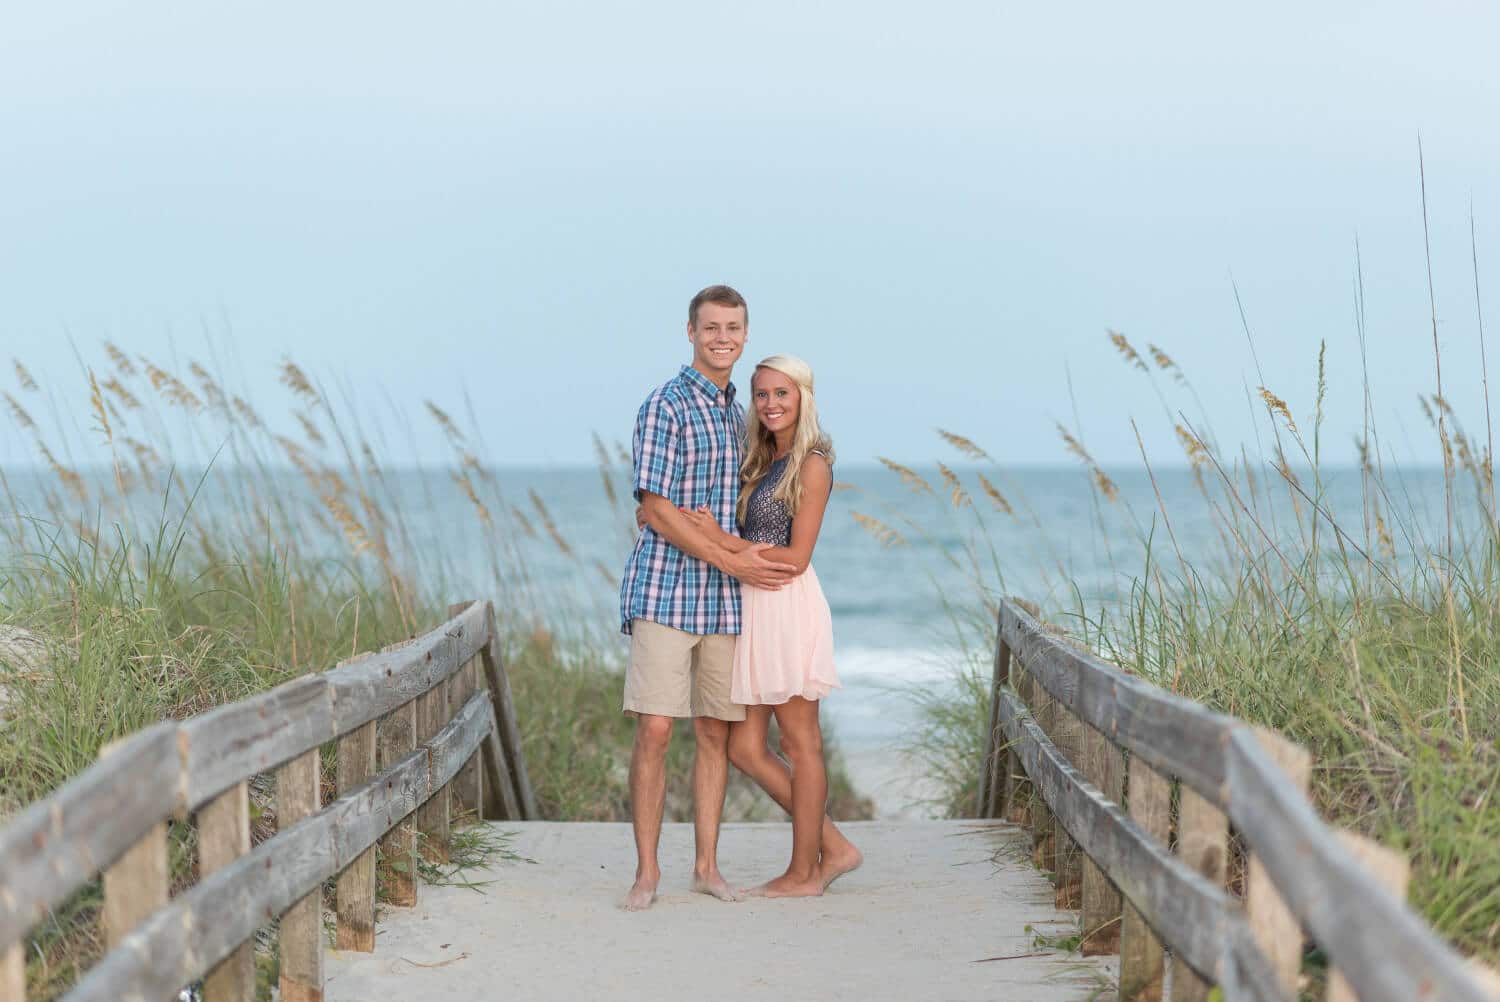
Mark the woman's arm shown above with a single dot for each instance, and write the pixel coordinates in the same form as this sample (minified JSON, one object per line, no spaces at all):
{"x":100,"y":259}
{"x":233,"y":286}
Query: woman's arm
{"x":817,"y":485}
{"x":734,"y":556}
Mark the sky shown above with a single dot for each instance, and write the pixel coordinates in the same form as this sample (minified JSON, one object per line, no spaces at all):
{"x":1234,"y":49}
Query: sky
{"x":942,"y":207}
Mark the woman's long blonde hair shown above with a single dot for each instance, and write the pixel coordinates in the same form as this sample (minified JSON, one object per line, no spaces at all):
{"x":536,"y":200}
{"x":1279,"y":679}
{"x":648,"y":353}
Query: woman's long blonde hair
{"x":760,"y":444}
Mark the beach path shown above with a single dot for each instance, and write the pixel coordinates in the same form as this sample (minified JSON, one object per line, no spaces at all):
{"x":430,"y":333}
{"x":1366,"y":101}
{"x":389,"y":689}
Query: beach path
{"x":939,"y":911}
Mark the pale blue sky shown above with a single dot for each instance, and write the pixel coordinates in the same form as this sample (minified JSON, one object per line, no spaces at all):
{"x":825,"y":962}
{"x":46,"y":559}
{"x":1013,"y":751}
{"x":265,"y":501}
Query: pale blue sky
{"x":940,"y":206}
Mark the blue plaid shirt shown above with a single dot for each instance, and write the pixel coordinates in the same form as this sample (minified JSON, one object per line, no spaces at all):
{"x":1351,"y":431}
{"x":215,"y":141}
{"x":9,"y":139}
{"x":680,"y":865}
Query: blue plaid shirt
{"x":688,"y":441}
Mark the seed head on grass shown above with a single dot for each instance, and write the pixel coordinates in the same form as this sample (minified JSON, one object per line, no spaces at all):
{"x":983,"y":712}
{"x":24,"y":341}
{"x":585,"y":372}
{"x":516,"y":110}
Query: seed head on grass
{"x":23,"y":377}
{"x":965,"y":445}
{"x":998,"y":500}
{"x":875,"y":527}
{"x":18,"y":413}
{"x":1276,"y":405}
{"x":910,"y":477}
{"x":1127,"y":350}
{"x":957,"y":494}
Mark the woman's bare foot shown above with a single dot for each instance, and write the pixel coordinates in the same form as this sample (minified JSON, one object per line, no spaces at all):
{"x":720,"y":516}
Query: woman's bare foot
{"x":642,"y":895}
{"x":714,"y":885}
{"x":788,"y":886}
{"x":835,"y":864}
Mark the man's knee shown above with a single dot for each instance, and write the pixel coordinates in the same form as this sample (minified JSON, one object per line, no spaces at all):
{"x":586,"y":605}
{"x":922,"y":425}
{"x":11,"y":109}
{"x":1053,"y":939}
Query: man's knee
{"x":712,"y":734}
{"x":653,"y":733}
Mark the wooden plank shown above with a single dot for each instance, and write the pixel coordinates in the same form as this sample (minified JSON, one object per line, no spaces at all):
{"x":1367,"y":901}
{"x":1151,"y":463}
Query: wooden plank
{"x":1385,"y":950}
{"x":13,"y":973}
{"x":378,"y":684}
{"x":202,"y":925}
{"x":396,"y":737}
{"x":1391,"y":870}
{"x":298,"y":795}
{"x":237,"y":740}
{"x":1203,"y":843}
{"x":223,"y":837}
{"x":354,"y":894}
{"x":1276,"y":929}
{"x":1174,"y":735}
{"x":1068,"y":860}
{"x":467,"y":793}
{"x":1018,"y":790}
{"x":1142,"y":963}
{"x":992,"y":786}
{"x":505,"y":717}
{"x":500,"y":802}
{"x":58,"y":844}
{"x":136,"y":885}
{"x":1104,"y":767}
{"x":433,"y":815}
{"x":1043,"y":827}
{"x":1202,"y":922}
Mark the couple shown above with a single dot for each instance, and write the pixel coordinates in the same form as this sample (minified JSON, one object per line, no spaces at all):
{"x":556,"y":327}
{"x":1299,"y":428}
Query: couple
{"x":727,"y":622}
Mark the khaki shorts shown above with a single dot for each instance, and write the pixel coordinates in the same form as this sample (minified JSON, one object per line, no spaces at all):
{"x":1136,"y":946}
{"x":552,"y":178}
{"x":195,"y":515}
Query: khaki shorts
{"x":677,"y":674}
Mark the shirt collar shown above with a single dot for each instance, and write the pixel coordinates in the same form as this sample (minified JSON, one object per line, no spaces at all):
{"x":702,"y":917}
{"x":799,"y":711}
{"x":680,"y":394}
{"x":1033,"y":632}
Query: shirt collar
{"x":706,"y":386}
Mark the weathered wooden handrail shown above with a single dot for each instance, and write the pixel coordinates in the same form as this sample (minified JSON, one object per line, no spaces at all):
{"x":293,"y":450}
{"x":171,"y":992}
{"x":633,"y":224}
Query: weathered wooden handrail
{"x":102,"y":817}
{"x":1252,"y":950}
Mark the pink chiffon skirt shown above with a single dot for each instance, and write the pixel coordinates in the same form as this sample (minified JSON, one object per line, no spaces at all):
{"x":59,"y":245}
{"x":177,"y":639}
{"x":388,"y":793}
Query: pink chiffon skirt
{"x":786,"y":644}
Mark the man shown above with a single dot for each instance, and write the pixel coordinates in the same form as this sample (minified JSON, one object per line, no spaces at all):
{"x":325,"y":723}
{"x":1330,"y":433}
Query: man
{"x":680,"y":600}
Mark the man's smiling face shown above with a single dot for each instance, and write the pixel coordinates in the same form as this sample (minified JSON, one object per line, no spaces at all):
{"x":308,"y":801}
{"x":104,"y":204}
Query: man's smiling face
{"x":718,"y":340}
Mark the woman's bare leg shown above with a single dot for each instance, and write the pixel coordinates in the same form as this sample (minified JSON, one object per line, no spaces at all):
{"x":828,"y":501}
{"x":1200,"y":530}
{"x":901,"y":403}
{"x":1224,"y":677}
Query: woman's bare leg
{"x":750,"y":752}
{"x":802,"y":741}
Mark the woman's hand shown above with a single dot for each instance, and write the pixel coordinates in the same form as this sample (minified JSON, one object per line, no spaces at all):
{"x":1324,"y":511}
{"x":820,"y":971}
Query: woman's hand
{"x":703,"y":521}
{"x":640,"y":517}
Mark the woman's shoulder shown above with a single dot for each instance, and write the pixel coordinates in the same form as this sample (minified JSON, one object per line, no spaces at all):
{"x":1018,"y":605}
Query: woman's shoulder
{"x":817,"y":462}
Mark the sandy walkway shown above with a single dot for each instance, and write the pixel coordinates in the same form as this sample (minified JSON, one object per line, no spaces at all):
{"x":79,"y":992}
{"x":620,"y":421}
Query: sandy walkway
{"x":932,"y":898}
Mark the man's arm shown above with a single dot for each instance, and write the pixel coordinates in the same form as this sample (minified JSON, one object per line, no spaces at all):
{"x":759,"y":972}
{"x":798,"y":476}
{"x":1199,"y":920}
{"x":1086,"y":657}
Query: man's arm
{"x":739,"y":559}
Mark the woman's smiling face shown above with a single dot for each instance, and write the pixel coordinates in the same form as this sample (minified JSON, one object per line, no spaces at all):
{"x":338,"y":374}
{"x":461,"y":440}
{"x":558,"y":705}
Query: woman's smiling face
{"x":777,"y":400}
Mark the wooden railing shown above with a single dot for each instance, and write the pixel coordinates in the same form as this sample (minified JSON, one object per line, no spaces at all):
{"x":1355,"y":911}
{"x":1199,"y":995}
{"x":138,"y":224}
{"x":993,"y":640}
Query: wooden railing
{"x":1061,"y":722}
{"x":417,"y":727}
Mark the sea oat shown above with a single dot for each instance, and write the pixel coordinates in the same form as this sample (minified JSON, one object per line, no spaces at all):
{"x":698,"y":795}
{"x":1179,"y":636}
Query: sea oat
{"x":296,"y":380}
{"x":908,"y":476}
{"x":1127,"y":350}
{"x":309,"y":429}
{"x":117,"y":388}
{"x":24,"y":377}
{"x":548,"y":524}
{"x":959,"y":496}
{"x":247,"y":413}
{"x":884,"y":533}
{"x":101,"y":414}
{"x":353,"y":531}
{"x":1278,"y":406}
{"x":840,"y":485}
{"x":967,"y":446}
{"x":524,"y":522}
{"x":18,"y":412}
{"x":996,"y":498}
{"x":446,"y":423}
{"x":70,"y":479}
{"x":122,"y":361}
{"x":1192,"y":446}
{"x":211,"y":390}
{"x":170,"y":387}
{"x":467,"y":486}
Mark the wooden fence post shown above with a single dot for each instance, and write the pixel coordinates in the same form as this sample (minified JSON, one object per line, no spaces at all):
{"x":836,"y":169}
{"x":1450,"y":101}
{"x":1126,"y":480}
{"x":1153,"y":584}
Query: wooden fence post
{"x":1067,"y":735}
{"x":13,"y":972}
{"x":1391,"y":870}
{"x":1104,"y":766}
{"x":505,"y":719}
{"x":354,"y":893}
{"x":432,"y":816}
{"x":395,"y":738}
{"x":1276,"y":930}
{"x":997,"y":755}
{"x":138,"y":883}
{"x":1141,"y":962}
{"x":299,"y":795}
{"x":1044,"y":844}
{"x":1203,"y":843}
{"x":1018,"y":790}
{"x":223,"y":837}
{"x":468,"y":794}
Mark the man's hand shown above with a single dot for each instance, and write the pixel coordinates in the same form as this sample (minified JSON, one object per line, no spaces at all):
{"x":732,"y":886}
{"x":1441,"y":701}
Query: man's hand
{"x":752,"y":567}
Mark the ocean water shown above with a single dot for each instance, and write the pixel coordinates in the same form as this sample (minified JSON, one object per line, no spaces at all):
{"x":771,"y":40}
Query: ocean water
{"x":905,"y":610}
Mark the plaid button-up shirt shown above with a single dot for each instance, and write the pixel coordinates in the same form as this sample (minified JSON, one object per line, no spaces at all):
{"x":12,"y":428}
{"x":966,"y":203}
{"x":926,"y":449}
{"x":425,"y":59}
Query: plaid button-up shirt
{"x":688,"y":441}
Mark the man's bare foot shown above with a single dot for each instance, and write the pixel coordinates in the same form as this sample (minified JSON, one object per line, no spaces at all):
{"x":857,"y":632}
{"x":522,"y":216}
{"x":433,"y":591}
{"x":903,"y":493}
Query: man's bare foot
{"x":787,"y":886}
{"x":714,"y":885}
{"x":834,"y":865}
{"x":642,"y":895}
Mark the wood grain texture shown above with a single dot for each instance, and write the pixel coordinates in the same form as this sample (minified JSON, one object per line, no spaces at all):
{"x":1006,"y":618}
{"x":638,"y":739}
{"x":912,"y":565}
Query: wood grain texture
{"x":1276,"y":929}
{"x":354,"y":894}
{"x":58,"y":844}
{"x":505,"y":717}
{"x":233,"y":742}
{"x":223,"y":837}
{"x":1203,"y":843}
{"x":1043,"y":825}
{"x":1174,"y":735}
{"x":1067,"y":735}
{"x":433,"y":813}
{"x":1391,"y":870}
{"x":1104,"y":767}
{"x":298,"y":796}
{"x":396,"y":738}
{"x":1385,"y":950}
{"x":202,"y":925}
{"x":1142,"y":963}
{"x":990,"y":802}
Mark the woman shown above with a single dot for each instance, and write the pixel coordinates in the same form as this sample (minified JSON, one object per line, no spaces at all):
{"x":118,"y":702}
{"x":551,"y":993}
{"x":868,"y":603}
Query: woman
{"x":783,"y":661}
